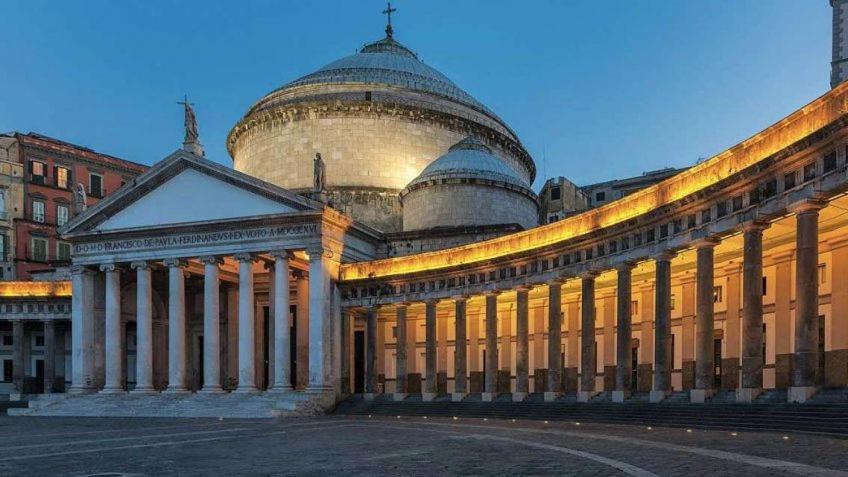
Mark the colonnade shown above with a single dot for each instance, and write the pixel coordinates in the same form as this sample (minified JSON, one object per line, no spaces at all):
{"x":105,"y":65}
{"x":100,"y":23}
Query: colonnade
{"x":804,"y":369}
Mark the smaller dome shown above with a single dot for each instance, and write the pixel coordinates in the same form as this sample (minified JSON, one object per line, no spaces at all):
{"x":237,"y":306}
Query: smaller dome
{"x":469,"y":159}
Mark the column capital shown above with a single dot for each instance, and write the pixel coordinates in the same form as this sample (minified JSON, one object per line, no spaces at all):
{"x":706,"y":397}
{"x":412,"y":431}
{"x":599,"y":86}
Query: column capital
{"x":316,"y":251}
{"x":401,"y":306}
{"x":456,"y":298}
{"x":806,"y":205}
{"x":245,"y":257}
{"x":626,"y":266}
{"x":491,"y":293}
{"x":665,"y":256}
{"x":556,"y":281}
{"x":705,"y":242}
{"x":281,"y":254}
{"x":108,"y":267}
{"x":755,"y":225}
{"x":589,"y":275}
{"x":175,"y":262}
{"x":140,"y":265}
{"x":80,"y":269}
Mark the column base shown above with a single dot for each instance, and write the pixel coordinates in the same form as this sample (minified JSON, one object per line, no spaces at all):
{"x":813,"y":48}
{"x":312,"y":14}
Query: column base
{"x":175,"y":390}
{"x":551,"y":396}
{"x":457,"y":397}
{"x":700,"y":396}
{"x":314,"y":389}
{"x":488,"y":397}
{"x":585,"y":396}
{"x":246,"y":390}
{"x":747,"y":395}
{"x":657,"y":396}
{"x":519,"y":396}
{"x":144,"y":391}
{"x":81,"y":390}
{"x":281,"y":389}
{"x":620,"y":396}
{"x":398,"y":396}
{"x":427,"y":397}
{"x":112,"y":391}
{"x":211,"y":390}
{"x":801,"y":394}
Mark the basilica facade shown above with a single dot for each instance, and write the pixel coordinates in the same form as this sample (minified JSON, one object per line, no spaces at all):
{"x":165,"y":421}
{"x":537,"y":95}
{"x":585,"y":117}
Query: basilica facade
{"x":378,"y":234}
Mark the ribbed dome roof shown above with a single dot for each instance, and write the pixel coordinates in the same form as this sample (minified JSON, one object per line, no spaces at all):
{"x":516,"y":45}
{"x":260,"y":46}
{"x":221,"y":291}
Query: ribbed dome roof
{"x":391,"y":63}
{"x":470,"y":159}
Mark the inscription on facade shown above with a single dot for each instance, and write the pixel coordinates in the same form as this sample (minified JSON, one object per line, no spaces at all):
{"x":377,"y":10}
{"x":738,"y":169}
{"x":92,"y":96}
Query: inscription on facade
{"x":191,"y":239}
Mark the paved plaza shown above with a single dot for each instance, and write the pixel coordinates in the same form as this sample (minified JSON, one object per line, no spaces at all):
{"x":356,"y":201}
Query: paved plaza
{"x":400,"y":446}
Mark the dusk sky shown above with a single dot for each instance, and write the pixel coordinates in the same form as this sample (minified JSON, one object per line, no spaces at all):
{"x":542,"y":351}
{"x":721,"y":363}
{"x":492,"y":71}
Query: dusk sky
{"x":595,"y":90}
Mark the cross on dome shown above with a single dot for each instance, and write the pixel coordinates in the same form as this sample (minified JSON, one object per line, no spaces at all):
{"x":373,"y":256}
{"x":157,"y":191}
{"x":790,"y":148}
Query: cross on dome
{"x":388,"y":12}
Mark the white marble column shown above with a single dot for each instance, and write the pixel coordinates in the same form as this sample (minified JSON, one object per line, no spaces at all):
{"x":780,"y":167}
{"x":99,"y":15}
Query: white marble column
{"x":176,"y":327}
{"x":247,"y":338}
{"x":211,"y":326}
{"x":114,"y":336}
{"x":144,"y":329}
{"x":82,"y":330}
{"x":282,"y":325}
{"x":320,"y":326}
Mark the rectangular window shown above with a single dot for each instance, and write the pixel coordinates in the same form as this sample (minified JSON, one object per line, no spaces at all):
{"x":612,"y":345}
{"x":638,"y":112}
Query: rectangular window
{"x":765,"y":286}
{"x":673,"y":302}
{"x":691,"y":221}
{"x":37,"y":172}
{"x":8,"y":340}
{"x":737,"y":203}
{"x":634,"y":308}
{"x":8,"y":370}
{"x":63,"y":251}
{"x":721,"y":209}
{"x":764,"y":344}
{"x":62,"y":177}
{"x":822,"y":273}
{"x":789,"y":180}
{"x":810,"y":172}
{"x":39,"y":249}
{"x":717,"y":294}
{"x":2,"y":204}
{"x":38,"y":341}
{"x":663,"y":231}
{"x":556,"y":193}
{"x":706,"y":216}
{"x":600,"y":196}
{"x":95,"y":185}
{"x":650,"y":236}
{"x":769,"y":189}
{"x":38,"y":210}
{"x":829,"y":162}
{"x":61,"y":215}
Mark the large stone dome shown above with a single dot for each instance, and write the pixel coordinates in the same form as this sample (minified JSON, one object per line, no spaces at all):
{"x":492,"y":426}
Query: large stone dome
{"x":378,"y":117}
{"x":468,"y":186}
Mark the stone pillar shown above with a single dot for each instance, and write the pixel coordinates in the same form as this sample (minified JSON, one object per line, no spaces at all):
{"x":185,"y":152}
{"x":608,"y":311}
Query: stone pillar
{"x":345,"y":350}
{"x":624,"y":333}
{"x":370,"y":352}
{"x":805,"y":368}
{"x":114,"y":332}
{"x":491,"y":363}
{"x":247,"y":337}
{"x":211,"y":326}
{"x":49,"y":355}
{"x":752,"y":314}
{"x":554,"y":388}
{"x":82,"y":330}
{"x":400,"y":353}
{"x":608,"y":335}
{"x":441,"y":354}
{"x":645,"y":369}
{"x":782,"y":292}
{"x":282,"y":325}
{"x":730,"y":363}
{"x":662,"y":328}
{"x":588,"y":366}
{"x":460,"y":351}
{"x":144,"y":329}
{"x":18,"y":355}
{"x":687,"y":332}
{"x":522,"y":354}
{"x":572,"y":352}
{"x":704,"y":323}
{"x":176,"y":326}
{"x":430,"y":389}
{"x":302,"y":338}
{"x":836,"y":358}
{"x":475,"y":373}
{"x":320,"y":323}
{"x":539,"y":364}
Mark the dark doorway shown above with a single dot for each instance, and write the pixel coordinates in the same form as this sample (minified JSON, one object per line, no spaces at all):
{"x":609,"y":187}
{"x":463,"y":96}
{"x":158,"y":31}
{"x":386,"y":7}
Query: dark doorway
{"x":359,"y":362}
{"x":39,"y":376}
{"x":293,"y":346}
{"x":717,"y":363}
{"x":200,"y":366}
{"x":634,"y":367}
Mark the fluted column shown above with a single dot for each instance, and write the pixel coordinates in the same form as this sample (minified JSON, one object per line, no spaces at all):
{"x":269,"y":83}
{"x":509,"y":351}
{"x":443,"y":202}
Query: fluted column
{"x":624,"y":333}
{"x":588,"y":366}
{"x":82,"y":330}
{"x":460,"y":353}
{"x":113,"y":332}
{"x":371,"y":352}
{"x":522,"y":352}
{"x":752,"y":313}
{"x":49,"y":355}
{"x":282,"y":324}
{"x":176,"y":326}
{"x":662,"y":328}
{"x":246,"y":338}
{"x":704,"y":323}
{"x":144,"y":329}
{"x":320,"y":323}
{"x":430,"y":388}
{"x":491,"y":364}
{"x":554,"y":385}
{"x":211,"y":326}
{"x":805,"y":367}
{"x":401,"y":370}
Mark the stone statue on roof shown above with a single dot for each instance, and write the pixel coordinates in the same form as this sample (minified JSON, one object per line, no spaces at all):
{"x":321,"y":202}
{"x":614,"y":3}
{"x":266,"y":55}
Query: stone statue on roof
{"x":319,"y":173}
{"x":80,"y":199}
{"x":191,"y":142}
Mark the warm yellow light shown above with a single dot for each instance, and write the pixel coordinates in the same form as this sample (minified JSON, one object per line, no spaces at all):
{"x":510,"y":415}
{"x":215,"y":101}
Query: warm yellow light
{"x":793,"y":128}
{"x":34,"y":289}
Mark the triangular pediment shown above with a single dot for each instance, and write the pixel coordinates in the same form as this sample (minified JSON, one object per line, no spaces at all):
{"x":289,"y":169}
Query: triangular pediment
{"x":184,"y":189}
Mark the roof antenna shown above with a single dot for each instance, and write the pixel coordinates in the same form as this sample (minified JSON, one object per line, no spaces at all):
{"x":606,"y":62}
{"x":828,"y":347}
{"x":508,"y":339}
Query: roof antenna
{"x":388,"y":12}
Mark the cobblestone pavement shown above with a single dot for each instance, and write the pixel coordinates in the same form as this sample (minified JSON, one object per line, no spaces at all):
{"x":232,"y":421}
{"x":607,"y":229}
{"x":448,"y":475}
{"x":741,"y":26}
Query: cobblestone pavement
{"x":404,"y":446}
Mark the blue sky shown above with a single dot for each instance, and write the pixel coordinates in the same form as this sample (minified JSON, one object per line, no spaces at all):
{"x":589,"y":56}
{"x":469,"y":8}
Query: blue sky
{"x":596,"y":90}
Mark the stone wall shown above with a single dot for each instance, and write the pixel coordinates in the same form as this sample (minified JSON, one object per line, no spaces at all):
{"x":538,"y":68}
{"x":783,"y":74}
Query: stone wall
{"x":467,"y":204}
